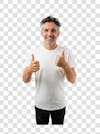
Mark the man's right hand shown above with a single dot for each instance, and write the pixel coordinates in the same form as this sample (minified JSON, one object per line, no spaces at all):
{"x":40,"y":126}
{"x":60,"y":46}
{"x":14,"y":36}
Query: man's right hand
{"x":35,"y":65}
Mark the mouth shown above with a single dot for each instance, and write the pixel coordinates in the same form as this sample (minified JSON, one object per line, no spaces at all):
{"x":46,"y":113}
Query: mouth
{"x":50,"y":38}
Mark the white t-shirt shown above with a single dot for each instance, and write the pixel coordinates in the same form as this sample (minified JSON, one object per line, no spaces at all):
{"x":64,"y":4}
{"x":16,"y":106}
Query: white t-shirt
{"x":49,"y":80}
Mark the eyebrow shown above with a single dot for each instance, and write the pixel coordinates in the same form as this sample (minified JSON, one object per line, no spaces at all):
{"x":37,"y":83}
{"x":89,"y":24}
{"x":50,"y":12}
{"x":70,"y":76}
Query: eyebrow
{"x":48,"y":28}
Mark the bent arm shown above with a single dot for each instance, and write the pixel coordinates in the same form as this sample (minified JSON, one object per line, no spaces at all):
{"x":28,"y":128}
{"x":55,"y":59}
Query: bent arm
{"x":27,"y":74}
{"x":70,"y":73}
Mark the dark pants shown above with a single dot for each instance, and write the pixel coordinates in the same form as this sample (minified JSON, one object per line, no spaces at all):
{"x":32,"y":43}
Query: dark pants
{"x":57,"y":116}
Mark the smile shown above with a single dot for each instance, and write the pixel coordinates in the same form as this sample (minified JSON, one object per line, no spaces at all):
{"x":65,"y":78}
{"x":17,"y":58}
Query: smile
{"x":50,"y":38}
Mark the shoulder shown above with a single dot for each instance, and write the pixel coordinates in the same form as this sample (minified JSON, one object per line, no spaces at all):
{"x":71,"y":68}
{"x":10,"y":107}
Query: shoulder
{"x":67,"y":51}
{"x":37,"y":48}
{"x":34,"y":49}
{"x":29,"y":52}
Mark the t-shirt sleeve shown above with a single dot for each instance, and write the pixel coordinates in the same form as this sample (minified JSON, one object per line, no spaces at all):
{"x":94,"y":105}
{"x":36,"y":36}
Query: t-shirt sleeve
{"x":69,"y":57}
{"x":71,"y":60}
{"x":29,"y":57}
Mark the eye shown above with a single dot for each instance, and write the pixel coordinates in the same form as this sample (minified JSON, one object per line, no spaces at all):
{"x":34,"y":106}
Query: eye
{"x":53,"y":30}
{"x":46,"y":30}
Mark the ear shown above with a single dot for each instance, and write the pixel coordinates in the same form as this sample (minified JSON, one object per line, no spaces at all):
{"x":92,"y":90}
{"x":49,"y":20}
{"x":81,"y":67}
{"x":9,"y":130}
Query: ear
{"x":41,"y":32}
{"x":58,"y":33}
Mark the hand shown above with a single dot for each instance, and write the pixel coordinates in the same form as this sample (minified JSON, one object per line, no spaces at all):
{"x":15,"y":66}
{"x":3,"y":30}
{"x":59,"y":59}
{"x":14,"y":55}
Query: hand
{"x":60,"y":60}
{"x":35,"y":65}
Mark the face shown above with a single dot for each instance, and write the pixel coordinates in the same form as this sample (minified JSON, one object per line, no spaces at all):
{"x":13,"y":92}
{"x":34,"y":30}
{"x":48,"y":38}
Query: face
{"x":50,"y":32}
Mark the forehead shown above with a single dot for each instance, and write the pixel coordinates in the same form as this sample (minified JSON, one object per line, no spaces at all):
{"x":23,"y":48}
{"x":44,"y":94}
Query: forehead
{"x":49,"y":25}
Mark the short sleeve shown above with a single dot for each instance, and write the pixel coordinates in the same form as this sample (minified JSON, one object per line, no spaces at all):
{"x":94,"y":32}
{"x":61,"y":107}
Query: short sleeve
{"x":71,"y":60}
{"x":29,"y":57}
{"x":69,"y":57}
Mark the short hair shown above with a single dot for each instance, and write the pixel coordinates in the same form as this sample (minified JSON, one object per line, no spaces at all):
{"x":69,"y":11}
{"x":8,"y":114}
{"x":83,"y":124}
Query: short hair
{"x":50,"y":19}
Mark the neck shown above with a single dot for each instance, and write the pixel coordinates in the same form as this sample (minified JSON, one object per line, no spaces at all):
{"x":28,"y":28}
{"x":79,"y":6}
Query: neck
{"x":50,"y":46}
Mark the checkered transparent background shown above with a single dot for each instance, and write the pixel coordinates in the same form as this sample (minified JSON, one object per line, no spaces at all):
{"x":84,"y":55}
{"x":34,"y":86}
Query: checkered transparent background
{"x":19,"y":32}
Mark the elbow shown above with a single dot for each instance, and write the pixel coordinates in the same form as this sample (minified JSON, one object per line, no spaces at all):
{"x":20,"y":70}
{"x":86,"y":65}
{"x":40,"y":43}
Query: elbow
{"x":72,"y":81}
{"x":25,"y":81}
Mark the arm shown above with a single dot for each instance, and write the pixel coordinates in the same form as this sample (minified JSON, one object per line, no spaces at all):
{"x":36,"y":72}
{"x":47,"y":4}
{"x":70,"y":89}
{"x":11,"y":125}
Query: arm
{"x":27,"y":74}
{"x":70,"y":73}
{"x":34,"y":67}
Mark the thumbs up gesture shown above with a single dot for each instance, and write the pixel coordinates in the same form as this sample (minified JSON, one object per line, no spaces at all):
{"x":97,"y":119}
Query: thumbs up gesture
{"x":60,"y":60}
{"x":34,"y":66}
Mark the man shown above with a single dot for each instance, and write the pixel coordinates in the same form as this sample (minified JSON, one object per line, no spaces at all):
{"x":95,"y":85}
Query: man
{"x":51,"y":64}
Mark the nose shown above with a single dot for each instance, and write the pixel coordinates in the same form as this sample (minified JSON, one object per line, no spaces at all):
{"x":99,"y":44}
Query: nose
{"x":49,"y":33}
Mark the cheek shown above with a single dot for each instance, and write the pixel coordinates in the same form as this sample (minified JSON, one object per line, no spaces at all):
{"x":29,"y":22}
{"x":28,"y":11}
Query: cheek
{"x":43,"y":34}
{"x":56,"y":35}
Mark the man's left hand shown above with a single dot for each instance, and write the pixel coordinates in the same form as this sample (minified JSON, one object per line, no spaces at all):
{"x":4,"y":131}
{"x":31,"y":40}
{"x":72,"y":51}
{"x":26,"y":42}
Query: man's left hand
{"x":60,"y":60}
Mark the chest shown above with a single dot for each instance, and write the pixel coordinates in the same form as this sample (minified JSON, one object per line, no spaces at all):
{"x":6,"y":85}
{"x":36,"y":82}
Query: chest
{"x":47,"y":60}
{"x":48,"y":66}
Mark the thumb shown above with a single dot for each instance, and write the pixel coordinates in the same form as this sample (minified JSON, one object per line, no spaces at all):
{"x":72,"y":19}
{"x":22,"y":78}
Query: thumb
{"x":33,"y":57}
{"x":63,"y":53}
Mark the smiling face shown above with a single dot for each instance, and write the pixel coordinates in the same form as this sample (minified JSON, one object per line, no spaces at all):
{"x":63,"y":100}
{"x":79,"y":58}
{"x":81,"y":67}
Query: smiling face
{"x":50,"y":32}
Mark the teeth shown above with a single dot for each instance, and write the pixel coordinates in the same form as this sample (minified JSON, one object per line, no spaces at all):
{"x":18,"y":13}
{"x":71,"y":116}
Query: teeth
{"x":49,"y":37}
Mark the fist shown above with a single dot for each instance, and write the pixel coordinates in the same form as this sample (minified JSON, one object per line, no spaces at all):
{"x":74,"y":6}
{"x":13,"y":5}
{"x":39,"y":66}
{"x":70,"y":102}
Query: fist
{"x":35,"y":65}
{"x":60,"y":60}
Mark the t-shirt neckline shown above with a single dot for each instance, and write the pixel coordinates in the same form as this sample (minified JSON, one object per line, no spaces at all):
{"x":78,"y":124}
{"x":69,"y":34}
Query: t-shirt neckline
{"x":51,"y":49}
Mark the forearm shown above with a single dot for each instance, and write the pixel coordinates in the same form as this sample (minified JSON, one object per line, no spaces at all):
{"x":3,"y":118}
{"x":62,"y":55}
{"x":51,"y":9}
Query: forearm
{"x":27,"y":74}
{"x":70,"y":74}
